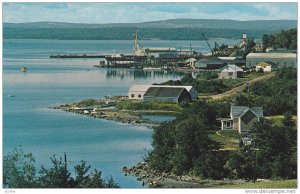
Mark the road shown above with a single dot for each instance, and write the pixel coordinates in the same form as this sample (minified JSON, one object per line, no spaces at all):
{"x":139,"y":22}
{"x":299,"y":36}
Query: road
{"x":241,"y":87}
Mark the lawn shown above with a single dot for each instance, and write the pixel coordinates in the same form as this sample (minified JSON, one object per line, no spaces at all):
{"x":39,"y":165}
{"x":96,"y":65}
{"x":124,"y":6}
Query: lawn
{"x":228,"y":139}
{"x":266,"y":184}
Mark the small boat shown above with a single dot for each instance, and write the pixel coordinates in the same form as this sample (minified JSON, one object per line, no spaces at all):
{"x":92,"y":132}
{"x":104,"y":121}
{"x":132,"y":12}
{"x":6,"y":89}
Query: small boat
{"x":23,"y":69}
{"x":151,"y":68}
{"x":11,"y":95}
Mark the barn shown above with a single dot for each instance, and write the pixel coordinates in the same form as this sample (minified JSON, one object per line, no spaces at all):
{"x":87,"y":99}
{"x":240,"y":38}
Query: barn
{"x":166,"y":94}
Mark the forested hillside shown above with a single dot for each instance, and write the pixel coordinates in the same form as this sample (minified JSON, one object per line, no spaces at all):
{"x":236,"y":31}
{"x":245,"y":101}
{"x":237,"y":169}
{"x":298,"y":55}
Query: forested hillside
{"x":284,"y":39}
{"x":183,"y":146}
{"x":177,"y":29}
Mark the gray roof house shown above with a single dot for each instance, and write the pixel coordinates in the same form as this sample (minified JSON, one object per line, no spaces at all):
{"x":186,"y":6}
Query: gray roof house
{"x":210,"y":63}
{"x":165,"y":94}
{"x":242,"y":118}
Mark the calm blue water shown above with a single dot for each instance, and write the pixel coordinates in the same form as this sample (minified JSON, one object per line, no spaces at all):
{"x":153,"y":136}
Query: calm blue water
{"x":160,"y":118}
{"x":28,"y":121}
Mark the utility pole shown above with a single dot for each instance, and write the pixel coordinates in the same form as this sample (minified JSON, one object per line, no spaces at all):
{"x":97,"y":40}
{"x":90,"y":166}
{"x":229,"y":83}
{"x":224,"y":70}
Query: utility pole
{"x":65,"y":161}
{"x":255,"y":162}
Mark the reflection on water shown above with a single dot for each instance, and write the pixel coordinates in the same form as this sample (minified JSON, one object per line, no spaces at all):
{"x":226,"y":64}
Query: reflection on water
{"x":141,"y":74}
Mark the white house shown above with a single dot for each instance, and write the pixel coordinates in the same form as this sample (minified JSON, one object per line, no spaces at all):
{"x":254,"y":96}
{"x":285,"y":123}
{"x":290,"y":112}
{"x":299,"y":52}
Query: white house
{"x":138,"y":91}
{"x":230,"y":71}
{"x":241,"y":118}
{"x":266,"y":67}
{"x":191,"y":62}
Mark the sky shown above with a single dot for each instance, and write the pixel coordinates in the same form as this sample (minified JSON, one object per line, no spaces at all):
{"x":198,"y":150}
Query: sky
{"x":100,"y":13}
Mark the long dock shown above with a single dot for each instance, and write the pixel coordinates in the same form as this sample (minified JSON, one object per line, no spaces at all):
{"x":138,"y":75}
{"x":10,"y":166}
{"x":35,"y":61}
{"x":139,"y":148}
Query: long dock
{"x":77,"y":56}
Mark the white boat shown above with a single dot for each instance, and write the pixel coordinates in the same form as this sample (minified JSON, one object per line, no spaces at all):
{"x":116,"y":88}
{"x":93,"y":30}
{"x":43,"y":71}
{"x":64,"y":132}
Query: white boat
{"x":151,"y":68}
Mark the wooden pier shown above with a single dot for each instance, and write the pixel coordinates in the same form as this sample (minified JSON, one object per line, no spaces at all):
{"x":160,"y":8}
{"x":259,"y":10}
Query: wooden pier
{"x":77,"y":56}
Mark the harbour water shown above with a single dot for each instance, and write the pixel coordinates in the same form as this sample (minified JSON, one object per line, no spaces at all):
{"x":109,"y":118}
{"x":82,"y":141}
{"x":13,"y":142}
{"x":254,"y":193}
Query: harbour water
{"x":27,"y":120}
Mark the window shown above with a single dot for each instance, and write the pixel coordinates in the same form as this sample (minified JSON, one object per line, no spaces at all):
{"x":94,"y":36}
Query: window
{"x":230,"y":74}
{"x":132,"y":95}
{"x":228,"y":124}
{"x":139,"y":96}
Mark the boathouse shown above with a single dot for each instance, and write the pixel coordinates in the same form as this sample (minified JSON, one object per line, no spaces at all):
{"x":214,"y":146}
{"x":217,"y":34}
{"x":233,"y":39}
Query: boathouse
{"x":167,"y":94}
{"x":241,"y":118}
{"x":137,"y":91}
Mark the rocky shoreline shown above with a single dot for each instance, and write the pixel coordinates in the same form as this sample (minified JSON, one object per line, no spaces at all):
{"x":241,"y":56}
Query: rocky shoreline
{"x":109,"y":113}
{"x":154,"y":179}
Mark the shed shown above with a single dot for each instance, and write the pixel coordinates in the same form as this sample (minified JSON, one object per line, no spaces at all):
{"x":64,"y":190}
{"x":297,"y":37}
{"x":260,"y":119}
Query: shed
{"x":166,"y":94}
{"x":230,"y":71}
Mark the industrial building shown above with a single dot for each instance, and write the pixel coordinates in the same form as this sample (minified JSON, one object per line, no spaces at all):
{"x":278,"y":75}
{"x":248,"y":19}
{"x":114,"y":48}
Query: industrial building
{"x":281,"y":59}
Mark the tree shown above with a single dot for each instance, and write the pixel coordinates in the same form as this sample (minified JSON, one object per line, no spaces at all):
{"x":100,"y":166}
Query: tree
{"x":20,"y":172}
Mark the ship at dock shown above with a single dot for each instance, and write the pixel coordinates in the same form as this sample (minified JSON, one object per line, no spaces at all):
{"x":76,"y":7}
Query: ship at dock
{"x":150,"y":58}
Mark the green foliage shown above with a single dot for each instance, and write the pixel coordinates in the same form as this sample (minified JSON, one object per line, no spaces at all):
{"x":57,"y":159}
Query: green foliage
{"x":20,"y":172}
{"x":89,"y":102}
{"x":284,"y":39}
{"x":123,"y":33}
{"x":211,"y":86}
{"x":277,"y":150}
{"x":207,"y":75}
{"x":180,"y":145}
{"x":277,"y":95}
{"x":129,"y":105}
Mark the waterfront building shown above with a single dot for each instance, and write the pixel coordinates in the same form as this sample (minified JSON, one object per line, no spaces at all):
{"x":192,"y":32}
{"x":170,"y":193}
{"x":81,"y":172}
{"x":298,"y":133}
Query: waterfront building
{"x":281,"y":59}
{"x":241,"y":118}
{"x":230,"y":71}
{"x":210,"y":63}
{"x":137,"y":91}
{"x":167,"y":94}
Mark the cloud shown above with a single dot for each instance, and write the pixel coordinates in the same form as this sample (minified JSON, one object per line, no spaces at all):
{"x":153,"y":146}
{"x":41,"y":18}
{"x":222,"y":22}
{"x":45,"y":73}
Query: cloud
{"x":142,"y":12}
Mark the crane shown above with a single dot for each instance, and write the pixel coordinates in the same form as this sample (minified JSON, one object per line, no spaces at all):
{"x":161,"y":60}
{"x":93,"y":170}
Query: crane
{"x":212,"y":52}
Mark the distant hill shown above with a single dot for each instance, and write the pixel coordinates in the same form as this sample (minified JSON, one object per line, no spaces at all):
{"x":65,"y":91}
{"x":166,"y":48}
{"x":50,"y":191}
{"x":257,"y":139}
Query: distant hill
{"x":173,"y":23}
{"x":173,"y":29}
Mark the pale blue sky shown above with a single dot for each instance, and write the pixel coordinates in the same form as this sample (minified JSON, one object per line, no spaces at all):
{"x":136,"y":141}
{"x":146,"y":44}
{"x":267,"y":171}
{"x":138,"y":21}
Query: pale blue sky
{"x":142,"y":12}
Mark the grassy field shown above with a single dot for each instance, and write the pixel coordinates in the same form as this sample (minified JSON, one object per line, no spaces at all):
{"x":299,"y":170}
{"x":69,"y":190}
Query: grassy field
{"x":228,"y":139}
{"x":267,"y":184}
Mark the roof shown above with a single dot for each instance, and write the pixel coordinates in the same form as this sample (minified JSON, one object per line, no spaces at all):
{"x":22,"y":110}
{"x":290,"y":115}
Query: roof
{"x":238,"y":111}
{"x":190,"y":60}
{"x":263,"y":64}
{"x":164,"y":92}
{"x":163,"y":49}
{"x":231,"y":67}
{"x":144,"y":88}
{"x":272,"y":55}
{"x":139,"y":88}
{"x":227,"y":58}
{"x":210,"y":61}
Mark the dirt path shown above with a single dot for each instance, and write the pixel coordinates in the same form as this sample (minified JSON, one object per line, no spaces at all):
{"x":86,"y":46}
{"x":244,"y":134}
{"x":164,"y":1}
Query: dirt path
{"x":241,"y":87}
